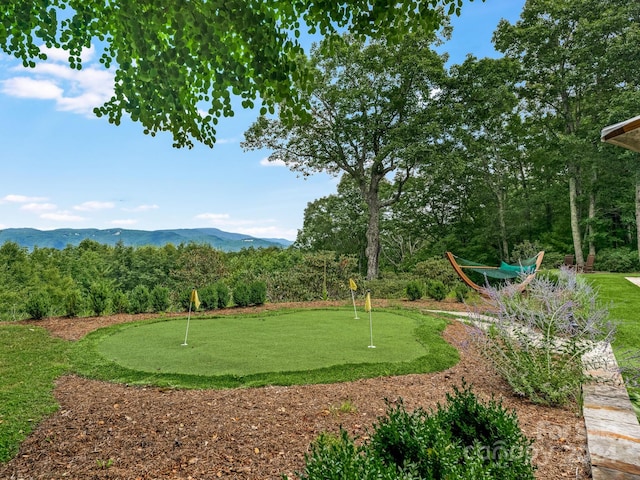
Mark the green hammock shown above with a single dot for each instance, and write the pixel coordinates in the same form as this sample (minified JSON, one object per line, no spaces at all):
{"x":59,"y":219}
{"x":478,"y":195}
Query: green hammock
{"x":525,"y":269}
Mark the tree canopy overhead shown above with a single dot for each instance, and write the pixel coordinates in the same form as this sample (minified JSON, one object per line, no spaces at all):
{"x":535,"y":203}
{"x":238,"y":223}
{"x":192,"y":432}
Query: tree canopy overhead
{"x":177,"y":64}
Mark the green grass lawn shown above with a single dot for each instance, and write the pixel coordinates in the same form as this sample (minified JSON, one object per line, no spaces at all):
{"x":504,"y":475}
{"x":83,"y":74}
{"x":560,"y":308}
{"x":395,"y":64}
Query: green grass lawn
{"x":306,"y":346}
{"x":30,"y":361}
{"x":303,"y":340}
{"x":623,"y":298}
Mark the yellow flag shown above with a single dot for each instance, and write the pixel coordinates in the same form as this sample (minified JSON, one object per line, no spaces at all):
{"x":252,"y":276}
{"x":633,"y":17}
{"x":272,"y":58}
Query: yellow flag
{"x":352,"y":285}
{"x":194,"y":298}
{"x":367,"y":303}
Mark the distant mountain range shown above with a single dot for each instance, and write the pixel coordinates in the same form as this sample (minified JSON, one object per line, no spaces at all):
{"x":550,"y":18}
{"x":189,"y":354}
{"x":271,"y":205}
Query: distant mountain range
{"x":60,"y":238}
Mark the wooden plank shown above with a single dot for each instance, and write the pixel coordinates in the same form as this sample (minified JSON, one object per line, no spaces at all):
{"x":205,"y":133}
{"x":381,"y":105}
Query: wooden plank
{"x":603,"y":473}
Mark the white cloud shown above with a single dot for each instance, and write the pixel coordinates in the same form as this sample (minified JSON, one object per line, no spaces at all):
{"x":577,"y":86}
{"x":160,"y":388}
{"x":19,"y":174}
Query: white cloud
{"x":141,"y":208}
{"x":25,"y":87}
{"x":62,"y":217}
{"x":38,"y":207}
{"x":93,"y":205}
{"x":265,"y":162}
{"x":124,"y":222}
{"x":61,"y":55}
{"x":214,"y":217}
{"x":77,"y":91}
{"x":12,"y":198}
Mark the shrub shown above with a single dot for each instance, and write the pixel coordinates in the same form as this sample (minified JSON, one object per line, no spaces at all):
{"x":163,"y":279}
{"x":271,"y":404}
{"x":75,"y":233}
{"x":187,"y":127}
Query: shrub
{"x":618,"y":260}
{"x":462,"y":292}
{"x":437,"y":269}
{"x":139,"y":299}
{"x":159,"y":299}
{"x":120,"y":302}
{"x":99,"y":294}
{"x":184,"y":299}
{"x":463,"y":439}
{"x":222,"y":291}
{"x":538,"y":340}
{"x":414,"y":290}
{"x":241,"y":294}
{"x":208,"y":297}
{"x":437,"y":290}
{"x":73,"y":303}
{"x":38,"y":305}
{"x":257,"y":293}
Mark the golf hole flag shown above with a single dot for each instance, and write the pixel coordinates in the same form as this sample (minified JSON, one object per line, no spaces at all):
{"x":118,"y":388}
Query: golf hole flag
{"x":367,"y":302}
{"x":352,"y":285}
{"x":194,"y":298}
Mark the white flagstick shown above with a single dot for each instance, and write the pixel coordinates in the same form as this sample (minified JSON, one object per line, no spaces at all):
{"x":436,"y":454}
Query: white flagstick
{"x":355,"y":311}
{"x":367,"y":307}
{"x":188,"y":318}
{"x":371,"y":345}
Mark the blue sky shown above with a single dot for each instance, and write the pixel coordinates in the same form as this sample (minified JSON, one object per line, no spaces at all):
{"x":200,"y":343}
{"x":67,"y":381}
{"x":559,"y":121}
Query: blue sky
{"x":64,"y":168}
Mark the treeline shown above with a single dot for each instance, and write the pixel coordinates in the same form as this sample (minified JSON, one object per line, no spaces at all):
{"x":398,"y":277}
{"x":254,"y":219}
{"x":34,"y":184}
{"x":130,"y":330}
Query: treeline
{"x":94,"y":279}
{"x":97,"y":279}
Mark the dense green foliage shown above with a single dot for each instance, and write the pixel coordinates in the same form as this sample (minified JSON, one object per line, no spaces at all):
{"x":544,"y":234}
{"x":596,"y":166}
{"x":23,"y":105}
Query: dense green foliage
{"x":173,"y":60}
{"x":464,"y":439}
{"x":96,"y":279}
{"x":509,"y":150}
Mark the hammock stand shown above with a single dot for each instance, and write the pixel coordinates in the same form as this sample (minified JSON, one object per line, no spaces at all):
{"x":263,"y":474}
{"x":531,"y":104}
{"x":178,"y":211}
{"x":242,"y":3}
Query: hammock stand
{"x":526,"y":270}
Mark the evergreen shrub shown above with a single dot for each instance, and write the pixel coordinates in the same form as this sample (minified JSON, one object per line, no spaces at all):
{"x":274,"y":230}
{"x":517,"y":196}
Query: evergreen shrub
{"x":208,"y":296}
{"x":257,"y":293}
{"x":73,"y":303}
{"x":414,"y":290}
{"x":223,"y":294}
{"x":462,"y":292}
{"x":38,"y":305}
{"x":437,"y":290}
{"x":120,"y":302}
{"x":159,"y":299}
{"x":139,"y":299}
{"x":241,"y":294}
{"x":464,"y":439}
{"x":99,"y":296}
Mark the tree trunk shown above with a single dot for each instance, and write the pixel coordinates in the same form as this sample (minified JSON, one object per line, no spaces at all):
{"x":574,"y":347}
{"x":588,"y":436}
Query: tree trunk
{"x":592,"y":217}
{"x":638,"y":214}
{"x":575,"y":221}
{"x":503,"y":227}
{"x":373,"y":239}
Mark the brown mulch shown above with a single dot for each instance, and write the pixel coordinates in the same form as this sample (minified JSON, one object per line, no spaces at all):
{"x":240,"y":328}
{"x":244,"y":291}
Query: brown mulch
{"x":112,"y":431}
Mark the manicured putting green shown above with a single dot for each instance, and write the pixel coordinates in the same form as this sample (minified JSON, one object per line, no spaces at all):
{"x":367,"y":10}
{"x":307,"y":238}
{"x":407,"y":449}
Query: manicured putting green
{"x":292,"y":341}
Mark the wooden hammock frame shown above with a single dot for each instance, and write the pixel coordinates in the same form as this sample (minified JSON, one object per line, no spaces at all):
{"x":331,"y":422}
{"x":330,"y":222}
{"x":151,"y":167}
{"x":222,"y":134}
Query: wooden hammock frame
{"x":518,"y":287}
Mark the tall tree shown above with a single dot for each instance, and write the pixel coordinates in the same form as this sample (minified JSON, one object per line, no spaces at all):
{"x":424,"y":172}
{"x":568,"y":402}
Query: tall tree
{"x":368,"y":105}
{"x":486,"y":125}
{"x":174,"y":60}
{"x":576,"y":56}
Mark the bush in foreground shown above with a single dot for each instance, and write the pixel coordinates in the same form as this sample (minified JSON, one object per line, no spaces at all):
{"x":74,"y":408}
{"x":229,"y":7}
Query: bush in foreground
{"x":464,"y":439}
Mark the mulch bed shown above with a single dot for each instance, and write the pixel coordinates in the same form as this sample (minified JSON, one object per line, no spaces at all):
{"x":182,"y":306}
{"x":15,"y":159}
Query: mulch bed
{"x":113,"y":431}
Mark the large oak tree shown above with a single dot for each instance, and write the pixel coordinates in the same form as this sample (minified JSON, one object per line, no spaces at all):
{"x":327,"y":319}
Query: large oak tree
{"x":371,"y":108}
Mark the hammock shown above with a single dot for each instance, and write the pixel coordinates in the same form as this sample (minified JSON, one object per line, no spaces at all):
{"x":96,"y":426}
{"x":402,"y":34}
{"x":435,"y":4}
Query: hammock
{"x":525,"y":270}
